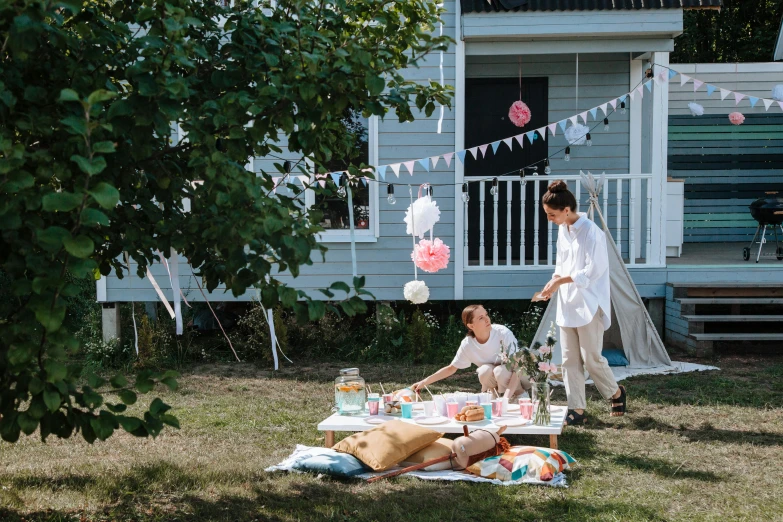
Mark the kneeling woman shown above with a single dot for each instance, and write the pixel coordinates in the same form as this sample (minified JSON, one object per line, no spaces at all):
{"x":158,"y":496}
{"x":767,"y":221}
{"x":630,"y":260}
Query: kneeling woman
{"x":583,"y":304}
{"x":481,"y":347}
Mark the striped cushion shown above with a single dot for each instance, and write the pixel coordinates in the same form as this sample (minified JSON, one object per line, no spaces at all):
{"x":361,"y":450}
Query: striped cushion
{"x":523,"y":462}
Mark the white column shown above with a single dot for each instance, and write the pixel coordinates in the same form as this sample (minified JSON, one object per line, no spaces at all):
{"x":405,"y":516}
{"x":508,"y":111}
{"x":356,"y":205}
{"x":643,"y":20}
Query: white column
{"x":635,"y":154}
{"x":659,"y":149}
{"x":460,"y":218}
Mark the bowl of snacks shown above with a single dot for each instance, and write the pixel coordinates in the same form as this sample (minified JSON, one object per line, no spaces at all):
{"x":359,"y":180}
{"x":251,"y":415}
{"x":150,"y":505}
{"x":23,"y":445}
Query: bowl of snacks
{"x":394,"y":407}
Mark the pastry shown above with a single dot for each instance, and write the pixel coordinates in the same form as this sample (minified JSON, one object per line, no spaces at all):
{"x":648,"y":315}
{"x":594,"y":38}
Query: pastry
{"x":470,"y":414}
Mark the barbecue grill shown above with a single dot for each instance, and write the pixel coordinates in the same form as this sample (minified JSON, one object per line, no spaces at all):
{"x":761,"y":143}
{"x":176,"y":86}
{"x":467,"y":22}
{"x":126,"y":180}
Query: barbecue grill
{"x":768,"y":211}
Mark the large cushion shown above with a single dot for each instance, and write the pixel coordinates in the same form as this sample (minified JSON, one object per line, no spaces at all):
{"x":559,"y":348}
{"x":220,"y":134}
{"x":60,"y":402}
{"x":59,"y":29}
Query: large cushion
{"x":523,"y":462}
{"x":330,"y":462}
{"x":615,"y":357}
{"x":439,"y":448}
{"x":388,"y":444}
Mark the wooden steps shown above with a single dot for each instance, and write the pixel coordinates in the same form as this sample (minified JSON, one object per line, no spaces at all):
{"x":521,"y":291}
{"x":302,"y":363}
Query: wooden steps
{"x":703,"y":316}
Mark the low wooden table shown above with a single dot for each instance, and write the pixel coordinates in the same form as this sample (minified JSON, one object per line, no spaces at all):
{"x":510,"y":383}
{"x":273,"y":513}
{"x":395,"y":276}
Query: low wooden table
{"x":357,"y":423}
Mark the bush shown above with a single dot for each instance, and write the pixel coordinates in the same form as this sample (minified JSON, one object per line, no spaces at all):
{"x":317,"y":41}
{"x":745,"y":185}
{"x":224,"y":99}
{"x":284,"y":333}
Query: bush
{"x":253,"y":341}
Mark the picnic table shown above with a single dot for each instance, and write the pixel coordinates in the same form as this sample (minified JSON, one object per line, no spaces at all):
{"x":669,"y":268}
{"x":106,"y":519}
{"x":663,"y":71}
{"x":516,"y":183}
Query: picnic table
{"x":357,"y":423}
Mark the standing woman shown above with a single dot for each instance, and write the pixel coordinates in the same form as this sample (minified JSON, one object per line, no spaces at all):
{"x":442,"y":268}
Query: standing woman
{"x":583,"y":305}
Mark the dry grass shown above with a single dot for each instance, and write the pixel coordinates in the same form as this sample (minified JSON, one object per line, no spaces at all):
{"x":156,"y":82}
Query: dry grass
{"x":694,"y":447}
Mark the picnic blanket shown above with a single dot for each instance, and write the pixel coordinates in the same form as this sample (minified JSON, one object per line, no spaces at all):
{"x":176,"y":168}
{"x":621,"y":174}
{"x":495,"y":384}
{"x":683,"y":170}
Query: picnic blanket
{"x":302,"y":451}
{"x":624,"y":372}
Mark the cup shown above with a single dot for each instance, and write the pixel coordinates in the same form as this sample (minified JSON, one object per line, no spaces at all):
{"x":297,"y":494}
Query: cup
{"x":452,"y":408}
{"x":497,"y":408}
{"x":429,"y":408}
{"x":525,"y":408}
{"x":373,"y":403}
{"x":440,"y":405}
{"x":485,"y":398}
{"x":471,"y":402}
{"x":487,"y":409}
{"x":407,"y":410}
{"x":504,"y":404}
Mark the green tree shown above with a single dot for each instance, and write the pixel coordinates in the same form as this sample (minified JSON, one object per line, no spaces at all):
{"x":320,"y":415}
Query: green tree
{"x":88,"y":95}
{"x":742,"y":31}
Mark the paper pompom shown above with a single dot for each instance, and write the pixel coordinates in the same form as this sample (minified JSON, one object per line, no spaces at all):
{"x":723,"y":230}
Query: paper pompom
{"x":519,"y":113}
{"x":777,"y":92}
{"x":576,"y":134}
{"x":425,"y":214}
{"x":696,"y":109}
{"x":416,"y":292}
{"x":736,"y":118}
{"x":431,"y":256}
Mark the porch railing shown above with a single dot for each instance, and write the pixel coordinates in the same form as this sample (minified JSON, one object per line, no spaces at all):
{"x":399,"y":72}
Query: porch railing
{"x":509,"y":231}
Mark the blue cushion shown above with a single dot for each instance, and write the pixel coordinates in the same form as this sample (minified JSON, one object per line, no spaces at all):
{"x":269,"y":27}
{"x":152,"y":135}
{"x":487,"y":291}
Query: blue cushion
{"x":330,"y":462}
{"x":615,"y":357}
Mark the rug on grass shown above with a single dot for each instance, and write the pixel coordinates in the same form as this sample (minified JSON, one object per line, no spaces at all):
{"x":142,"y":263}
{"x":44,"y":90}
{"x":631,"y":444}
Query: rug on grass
{"x":302,"y":452}
{"x":624,"y":372}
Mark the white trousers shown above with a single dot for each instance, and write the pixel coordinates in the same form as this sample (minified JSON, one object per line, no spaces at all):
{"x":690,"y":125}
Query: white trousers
{"x":492,"y":376}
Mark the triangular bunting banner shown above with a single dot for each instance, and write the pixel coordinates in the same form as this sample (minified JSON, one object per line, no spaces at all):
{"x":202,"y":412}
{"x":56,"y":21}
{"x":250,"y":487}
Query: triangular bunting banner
{"x":613,"y":103}
{"x":434,"y":161}
{"x":697,"y":84}
{"x":710,"y":89}
{"x":474,"y":152}
{"x":604,"y":107}
{"x":336,"y":177}
{"x":684,"y":79}
{"x":563,"y":124}
{"x":648,"y":85}
{"x":495,"y":145}
{"x":520,"y":139}
{"x":753,"y":100}
{"x":382,"y":172}
{"x":542,"y":132}
{"x":483,"y":149}
{"x":509,"y":143}
{"x":553,"y":128}
{"x":623,"y":97}
{"x":738,"y":97}
{"x":425,"y":164}
{"x":275,"y":181}
{"x":322,"y":182}
{"x":662,"y":77}
{"x":396,"y":169}
{"x":531,"y":136}
{"x":767,"y":104}
{"x":364,"y":181}
{"x":461,"y":156}
{"x":583,"y":115}
{"x":672,"y":73}
{"x":640,"y":91}
{"x":724,"y":93}
{"x":409,"y":165}
{"x":574,"y":120}
{"x":781,"y":104}
{"x":632,"y":94}
{"x":594,"y":112}
{"x":447,"y":159}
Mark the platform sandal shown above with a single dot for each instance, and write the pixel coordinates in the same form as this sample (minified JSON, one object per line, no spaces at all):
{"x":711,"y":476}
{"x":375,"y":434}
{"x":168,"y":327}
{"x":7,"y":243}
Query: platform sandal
{"x":618,"y":404}
{"x":575,"y":419}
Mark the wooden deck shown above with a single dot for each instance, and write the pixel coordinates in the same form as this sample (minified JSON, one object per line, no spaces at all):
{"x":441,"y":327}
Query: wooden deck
{"x":723,"y":254}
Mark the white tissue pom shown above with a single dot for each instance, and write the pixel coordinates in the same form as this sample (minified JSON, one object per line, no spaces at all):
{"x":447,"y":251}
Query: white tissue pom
{"x":777,"y":92}
{"x":696,"y":109}
{"x":425,"y":213}
{"x":416,"y":292}
{"x":576,"y":134}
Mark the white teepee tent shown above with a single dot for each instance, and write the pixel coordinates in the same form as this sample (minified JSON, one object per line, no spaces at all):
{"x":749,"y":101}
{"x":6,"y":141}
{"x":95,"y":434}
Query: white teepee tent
{"x":632,"y":329}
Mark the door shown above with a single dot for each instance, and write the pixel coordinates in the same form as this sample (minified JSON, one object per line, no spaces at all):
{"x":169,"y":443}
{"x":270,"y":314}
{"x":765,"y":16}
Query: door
{"x":487,"y":101}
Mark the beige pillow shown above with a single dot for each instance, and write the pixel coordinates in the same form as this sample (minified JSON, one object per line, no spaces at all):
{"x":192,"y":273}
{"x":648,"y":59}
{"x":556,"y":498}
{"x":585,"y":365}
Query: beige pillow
{"x":439,"y":448}
{"x":388,"y":444}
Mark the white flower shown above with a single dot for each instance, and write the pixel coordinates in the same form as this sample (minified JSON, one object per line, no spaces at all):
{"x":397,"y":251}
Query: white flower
{"x":576,"y":134}
{"x":425,"y":214}
{"x":416,"y":292}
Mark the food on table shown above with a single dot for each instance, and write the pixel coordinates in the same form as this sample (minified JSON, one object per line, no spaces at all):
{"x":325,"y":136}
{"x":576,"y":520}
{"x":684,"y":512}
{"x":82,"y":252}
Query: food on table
{"x":471,"y":413}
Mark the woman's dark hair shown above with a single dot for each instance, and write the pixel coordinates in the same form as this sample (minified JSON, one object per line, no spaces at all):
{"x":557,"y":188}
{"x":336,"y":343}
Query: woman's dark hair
{"x":559,"y":197}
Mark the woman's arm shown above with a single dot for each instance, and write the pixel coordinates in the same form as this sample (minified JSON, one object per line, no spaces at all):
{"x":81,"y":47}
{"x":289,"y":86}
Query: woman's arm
{"x":446,"y":371}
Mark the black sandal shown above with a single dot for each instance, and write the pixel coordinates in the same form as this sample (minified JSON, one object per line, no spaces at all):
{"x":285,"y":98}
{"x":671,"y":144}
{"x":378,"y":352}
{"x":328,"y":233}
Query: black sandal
{"x":618,"y":404}
{"x":575,"y":419}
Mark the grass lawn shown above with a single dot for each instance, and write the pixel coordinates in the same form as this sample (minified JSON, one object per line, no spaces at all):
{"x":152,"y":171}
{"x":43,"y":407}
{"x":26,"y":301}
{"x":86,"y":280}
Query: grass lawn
{"x":699,"y":446}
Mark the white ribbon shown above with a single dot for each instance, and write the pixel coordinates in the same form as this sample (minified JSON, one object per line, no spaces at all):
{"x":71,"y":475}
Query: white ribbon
{"x":175,"y":290}
{"x":133,"y":308}
{"x":440,"y":119}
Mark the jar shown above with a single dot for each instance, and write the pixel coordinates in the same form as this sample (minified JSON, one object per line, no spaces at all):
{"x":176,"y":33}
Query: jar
{"x":349,"y":392}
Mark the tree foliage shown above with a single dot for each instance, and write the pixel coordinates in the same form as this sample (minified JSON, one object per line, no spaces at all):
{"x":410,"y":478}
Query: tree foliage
{"x":89,"y":93}
{"x":742,"y":31}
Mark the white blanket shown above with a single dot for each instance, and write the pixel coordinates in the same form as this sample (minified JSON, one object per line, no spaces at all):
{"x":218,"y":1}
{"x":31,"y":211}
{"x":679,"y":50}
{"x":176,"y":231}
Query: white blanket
{"x":624,"y":372}
{"x":304,"y":451}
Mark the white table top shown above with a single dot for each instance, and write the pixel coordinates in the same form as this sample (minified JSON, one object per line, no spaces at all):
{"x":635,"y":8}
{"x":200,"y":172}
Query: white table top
{"x":357,"y":423}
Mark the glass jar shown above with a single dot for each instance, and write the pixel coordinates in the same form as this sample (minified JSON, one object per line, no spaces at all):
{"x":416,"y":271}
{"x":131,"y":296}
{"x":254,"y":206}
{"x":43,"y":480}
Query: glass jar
{"x":349,"y":392}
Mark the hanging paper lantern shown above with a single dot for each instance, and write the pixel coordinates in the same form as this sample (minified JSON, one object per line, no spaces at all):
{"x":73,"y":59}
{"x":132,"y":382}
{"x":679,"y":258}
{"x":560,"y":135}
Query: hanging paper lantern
{"x":736,"y":118}
{"x":416,"y":292}
{"x":577,"y":134}
{"x":696,"y":109}
{"x":425,"y":214}
{"x":431,"y":256}
{"x":519,"y":113}
{"x":777,"y":92}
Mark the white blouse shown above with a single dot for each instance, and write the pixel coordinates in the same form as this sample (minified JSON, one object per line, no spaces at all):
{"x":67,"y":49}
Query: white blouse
{"x":582,"y":254}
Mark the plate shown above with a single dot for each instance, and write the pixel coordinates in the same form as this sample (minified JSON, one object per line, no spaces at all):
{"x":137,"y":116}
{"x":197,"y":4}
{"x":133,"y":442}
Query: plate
{"x":511,"y":422}
{"x":470,"y":422}
{"x":431,"y":420}
{"x":376,"y":419}
{"x":513,"y":407}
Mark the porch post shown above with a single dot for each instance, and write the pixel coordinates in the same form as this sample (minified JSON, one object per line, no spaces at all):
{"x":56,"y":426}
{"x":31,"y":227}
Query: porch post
{"x":460,"y":250}
{"x":635,"y":155}
{"x":658,"y":158}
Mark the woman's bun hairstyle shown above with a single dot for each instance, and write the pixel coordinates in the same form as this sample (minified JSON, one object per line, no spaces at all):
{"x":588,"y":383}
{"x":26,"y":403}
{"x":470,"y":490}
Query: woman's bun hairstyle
{"x":559,"y":197}
{"x":557,"y":186}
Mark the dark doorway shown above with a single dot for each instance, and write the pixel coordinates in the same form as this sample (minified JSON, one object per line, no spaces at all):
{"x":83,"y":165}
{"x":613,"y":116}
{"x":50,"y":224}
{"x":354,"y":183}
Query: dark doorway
{"x":487,"y":101}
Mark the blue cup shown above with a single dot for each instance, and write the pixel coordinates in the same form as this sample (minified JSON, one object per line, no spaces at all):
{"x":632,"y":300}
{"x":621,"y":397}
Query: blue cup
{"x":487,"y":409}
{"x":407,"y":410}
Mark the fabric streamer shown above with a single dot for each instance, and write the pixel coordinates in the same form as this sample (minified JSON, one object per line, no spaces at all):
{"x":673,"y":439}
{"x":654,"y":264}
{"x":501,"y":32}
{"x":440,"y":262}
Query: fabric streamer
{"x":270,"y":318}
{"x":166,"y":264}
{"x":133,"y":308}
{"x":162,"y":297}
{"x":175,"y":290}
{"x":442,"y":81}
{"x":351,"y":227}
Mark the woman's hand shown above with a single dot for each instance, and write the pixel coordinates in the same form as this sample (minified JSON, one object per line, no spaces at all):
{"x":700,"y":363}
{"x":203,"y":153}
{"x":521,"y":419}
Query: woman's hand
{"x":419,"y":386}
{"x":551,"y":287}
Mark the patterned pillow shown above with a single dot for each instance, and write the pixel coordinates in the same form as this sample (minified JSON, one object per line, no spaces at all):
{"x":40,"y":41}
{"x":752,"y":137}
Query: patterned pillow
{"x":523,"y":462}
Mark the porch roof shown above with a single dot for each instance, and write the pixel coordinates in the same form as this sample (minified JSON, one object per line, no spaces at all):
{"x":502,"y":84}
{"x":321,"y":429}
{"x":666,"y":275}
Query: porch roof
{"x":488,"y":6}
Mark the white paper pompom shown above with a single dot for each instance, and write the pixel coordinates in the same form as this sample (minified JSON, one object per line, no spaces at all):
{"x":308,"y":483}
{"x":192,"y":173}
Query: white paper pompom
{"x":696,"y":109}
{"x":777,"y":92}
{"x":576,"y":134}
{"x":416,"y":292}
{"x":425,"y":214}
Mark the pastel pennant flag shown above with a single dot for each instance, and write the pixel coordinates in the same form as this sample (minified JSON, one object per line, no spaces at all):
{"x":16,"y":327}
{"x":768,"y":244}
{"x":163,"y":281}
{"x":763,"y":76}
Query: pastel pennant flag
{"x":542,"y":132}
{"x":697,"y":84}
{"x":509,"y":143}
{"x":520,"y":139}
{"x":460,"y":156}
{"x":447,"y":159}
{"x":767,"y":104}
{"x":648,"y":85}
{"x":322,"y":182}
{"x":781,"y":104}
{"x":672,"y":73}
{"x":275,"y":181}
{"x":483,"y":149}
{"x":563,"y":124}
{"x":553,"y":128}
{"x":594,"y":112}
{"x":738,"y":97}
{"x":364,"y":180}
{"x":605,"y":108}
{"x":409,"y":165}
{"x":531,"y":136}
{"x":632,"y":94}
{"x":623,"y":97}
{"x":574,"y":120}
{"x":753,"y":100}
{"x":710,"y":89}
{"x":640,"y":91}
{"x":434,"y":161}
{"x":613,"y":103}
{"x":684,"y":79}
{"x":425,"y":164}
{"x":661,"y":77}
{"x":382,"y":172}
{"x":495,"y":145}
{"x":583,"y":115}
{"x":336,"y":177}
{"x":724,"y":93}
{"x":474,"y":152}
{"x":396,"y":169}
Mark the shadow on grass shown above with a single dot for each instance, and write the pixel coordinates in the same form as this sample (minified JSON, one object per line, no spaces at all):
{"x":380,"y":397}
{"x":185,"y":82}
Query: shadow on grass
{"x":664,"y":469}
{"x":707,"y":432}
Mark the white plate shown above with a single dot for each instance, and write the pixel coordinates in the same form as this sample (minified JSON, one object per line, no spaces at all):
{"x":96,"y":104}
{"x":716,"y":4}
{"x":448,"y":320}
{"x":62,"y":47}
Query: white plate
{"x":470,"y":422}
{"x":513,"y":407}
{"x":431,"y":420}
{"x":376,"y":419}
{"x":512,"y":421}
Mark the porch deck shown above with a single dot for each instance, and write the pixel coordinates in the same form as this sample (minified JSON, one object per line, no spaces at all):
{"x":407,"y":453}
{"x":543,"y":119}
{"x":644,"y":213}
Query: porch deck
{"x":723,"y":254}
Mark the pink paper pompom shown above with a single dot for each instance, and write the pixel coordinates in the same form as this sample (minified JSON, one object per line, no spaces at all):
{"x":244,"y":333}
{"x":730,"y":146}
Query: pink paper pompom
{"x":431,"y":256}
{"x":736,"y":118}
{"x":519,"y":114}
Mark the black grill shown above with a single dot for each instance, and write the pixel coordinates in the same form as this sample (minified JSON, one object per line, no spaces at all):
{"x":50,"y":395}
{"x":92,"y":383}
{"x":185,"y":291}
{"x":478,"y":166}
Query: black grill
{"x":768,"y":211}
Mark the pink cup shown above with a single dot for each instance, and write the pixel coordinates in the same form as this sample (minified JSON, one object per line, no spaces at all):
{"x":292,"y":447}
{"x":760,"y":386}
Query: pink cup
{"x":388,"y":397}
{"x":452,"y":408}
{"x":373,"y":404}
{"x":497,"y":408}
{"x":471,"y":403}
{"x":525,"y":409}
